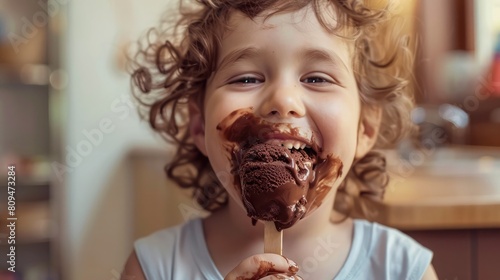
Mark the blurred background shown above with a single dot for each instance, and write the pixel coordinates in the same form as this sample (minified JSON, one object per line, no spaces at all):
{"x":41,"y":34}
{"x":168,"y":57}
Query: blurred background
{"x":89,"y":173}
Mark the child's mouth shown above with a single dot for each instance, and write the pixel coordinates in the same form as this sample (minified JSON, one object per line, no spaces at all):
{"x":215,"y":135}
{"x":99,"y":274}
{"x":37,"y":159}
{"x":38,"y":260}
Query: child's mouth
{"x":279,"y":175}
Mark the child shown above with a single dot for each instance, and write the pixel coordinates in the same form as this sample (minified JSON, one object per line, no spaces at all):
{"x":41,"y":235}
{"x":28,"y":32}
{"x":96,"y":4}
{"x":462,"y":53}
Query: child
{"x":323,"y":78}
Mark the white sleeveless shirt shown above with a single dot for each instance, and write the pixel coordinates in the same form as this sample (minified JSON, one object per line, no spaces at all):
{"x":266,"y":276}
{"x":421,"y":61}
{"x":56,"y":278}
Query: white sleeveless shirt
{"x":377,"y":252}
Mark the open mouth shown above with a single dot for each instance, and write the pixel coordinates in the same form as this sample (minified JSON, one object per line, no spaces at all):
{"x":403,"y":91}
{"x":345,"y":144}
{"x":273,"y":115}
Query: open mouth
{"x":296,"y":146}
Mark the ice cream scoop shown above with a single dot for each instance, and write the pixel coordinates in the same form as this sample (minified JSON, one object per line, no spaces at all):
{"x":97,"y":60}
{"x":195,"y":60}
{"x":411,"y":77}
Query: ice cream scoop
{"x":274,"y":183}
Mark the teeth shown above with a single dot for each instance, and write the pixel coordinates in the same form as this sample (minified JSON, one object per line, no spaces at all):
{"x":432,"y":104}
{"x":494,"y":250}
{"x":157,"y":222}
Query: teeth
{"x":289,"y":144}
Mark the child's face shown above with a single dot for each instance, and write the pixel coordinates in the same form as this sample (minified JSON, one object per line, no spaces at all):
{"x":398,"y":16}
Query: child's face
{"x":291,"y":70}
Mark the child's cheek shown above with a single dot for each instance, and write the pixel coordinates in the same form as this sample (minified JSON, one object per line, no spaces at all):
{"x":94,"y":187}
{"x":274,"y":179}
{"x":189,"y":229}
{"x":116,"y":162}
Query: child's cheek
{"x":217,"y":153}
{"x":338,"y":126}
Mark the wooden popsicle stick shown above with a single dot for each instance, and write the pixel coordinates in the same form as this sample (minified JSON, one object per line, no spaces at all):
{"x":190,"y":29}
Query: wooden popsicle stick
{"x":273,"y":239}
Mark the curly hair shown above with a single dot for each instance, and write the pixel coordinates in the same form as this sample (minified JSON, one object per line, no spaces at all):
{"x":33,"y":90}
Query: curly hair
{"x":173,"y":63}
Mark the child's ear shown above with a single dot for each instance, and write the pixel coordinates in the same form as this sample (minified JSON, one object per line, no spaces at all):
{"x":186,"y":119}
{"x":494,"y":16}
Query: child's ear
{"x":197,"y":126}
{"x":369,"y":126}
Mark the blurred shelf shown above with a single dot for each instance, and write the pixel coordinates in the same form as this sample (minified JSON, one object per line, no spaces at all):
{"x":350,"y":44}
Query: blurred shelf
{"x":32,"y":262}
{"x":30,"y":193}
{"x":33,"y":224}
{"x":23,"y":180}
{"x":30,"y":188}
{"x":24,"y":75}
{"x":30,"y":171}
{"x":31,"y":85}
{"x":30,"y":181}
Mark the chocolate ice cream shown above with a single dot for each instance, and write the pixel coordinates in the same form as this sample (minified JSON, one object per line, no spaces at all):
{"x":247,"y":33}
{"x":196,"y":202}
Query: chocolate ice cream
{"x":276,"y":183}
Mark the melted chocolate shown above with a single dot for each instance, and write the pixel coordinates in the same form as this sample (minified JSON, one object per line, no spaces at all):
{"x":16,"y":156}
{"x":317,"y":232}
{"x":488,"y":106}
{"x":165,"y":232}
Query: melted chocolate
{"x":309,"y":177}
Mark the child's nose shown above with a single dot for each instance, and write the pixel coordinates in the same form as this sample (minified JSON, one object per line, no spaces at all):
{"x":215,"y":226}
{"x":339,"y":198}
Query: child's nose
{"x":284,"y":102}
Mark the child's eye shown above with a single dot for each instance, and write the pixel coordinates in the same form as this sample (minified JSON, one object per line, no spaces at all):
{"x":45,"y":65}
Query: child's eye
{"x":315,"y":80}
{"x":246,"y":80}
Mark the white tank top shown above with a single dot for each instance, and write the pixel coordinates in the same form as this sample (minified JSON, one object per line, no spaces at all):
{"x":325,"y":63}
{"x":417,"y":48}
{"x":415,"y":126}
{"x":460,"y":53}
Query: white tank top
{"x":377,"y":252}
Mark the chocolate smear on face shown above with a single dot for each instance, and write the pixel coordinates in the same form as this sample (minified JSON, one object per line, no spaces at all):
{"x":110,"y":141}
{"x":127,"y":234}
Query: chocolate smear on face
{"x":276,"y":183}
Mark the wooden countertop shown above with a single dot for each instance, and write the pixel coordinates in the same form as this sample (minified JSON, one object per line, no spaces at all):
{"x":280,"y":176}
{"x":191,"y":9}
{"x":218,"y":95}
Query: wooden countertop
{"x":452,"y":188}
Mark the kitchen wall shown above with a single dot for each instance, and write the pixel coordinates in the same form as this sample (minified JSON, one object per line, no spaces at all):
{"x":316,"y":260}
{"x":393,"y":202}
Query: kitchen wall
{"x":101,"y":127}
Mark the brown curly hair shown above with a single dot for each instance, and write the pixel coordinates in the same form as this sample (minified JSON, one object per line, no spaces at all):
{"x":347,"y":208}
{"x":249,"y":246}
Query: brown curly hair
{"x":173,"y":63}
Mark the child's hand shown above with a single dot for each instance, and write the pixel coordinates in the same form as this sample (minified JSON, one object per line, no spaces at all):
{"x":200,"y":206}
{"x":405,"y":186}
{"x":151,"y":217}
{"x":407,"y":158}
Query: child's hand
{"x":264,"y":266}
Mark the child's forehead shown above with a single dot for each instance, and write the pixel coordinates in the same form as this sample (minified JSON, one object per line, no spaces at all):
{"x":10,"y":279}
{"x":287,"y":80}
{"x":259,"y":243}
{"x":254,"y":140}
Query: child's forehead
{"x":290,"y":14}
{"x":304,"y":20}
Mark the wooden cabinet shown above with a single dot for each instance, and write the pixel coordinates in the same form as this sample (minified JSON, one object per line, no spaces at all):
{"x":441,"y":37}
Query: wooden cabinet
{"x":488,"y":253}
{"x":463,"y":254}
